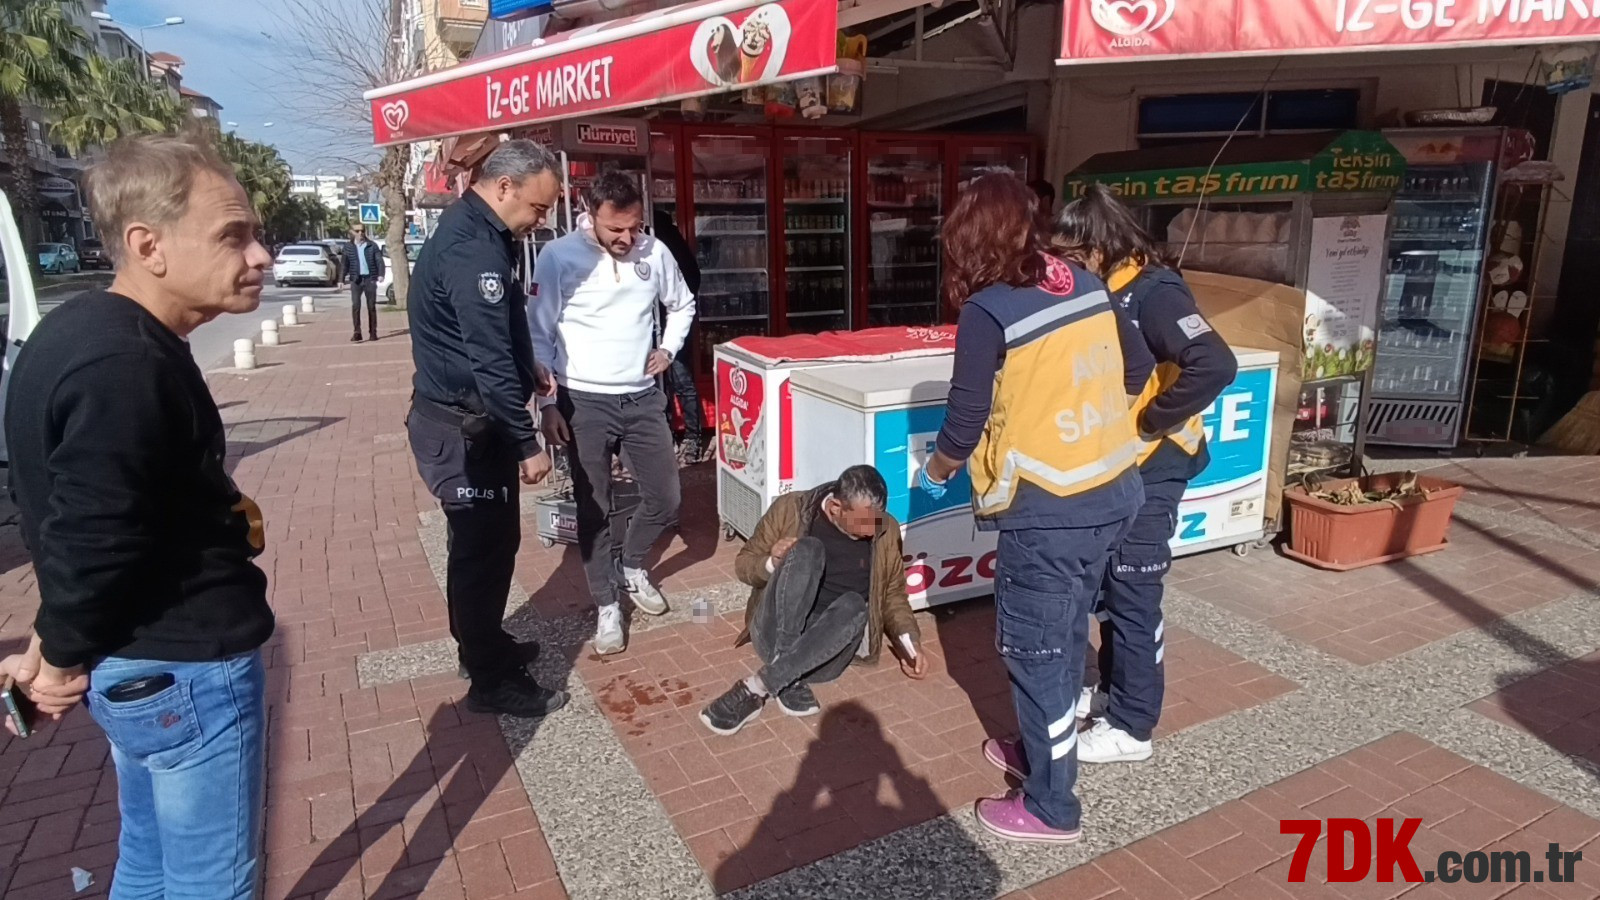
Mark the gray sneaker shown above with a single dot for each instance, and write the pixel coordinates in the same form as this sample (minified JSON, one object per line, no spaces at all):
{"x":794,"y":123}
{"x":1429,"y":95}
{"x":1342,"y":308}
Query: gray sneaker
{"x":643,"y":593}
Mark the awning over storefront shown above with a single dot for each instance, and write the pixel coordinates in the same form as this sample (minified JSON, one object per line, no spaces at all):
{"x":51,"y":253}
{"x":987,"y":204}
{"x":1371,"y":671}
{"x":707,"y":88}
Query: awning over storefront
{"x":1098,"y":31}
{"x":683,"y":51}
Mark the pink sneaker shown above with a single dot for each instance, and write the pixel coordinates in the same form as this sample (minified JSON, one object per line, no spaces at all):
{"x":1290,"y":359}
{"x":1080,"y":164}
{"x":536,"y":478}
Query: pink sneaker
{"x":1006,"y":755}
{"x":1009,"y":818}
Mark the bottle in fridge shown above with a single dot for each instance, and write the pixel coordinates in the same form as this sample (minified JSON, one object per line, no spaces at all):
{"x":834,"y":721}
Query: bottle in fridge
{"x":815,"y":172}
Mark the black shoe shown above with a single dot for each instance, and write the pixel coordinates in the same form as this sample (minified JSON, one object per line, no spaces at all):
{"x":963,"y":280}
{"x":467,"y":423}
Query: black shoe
{"x":798,"y":701}
{"x":516,"y":696}
{"x":373,"y":336}
{"x":527,"y":652}
{"x":732,"y":711}
{"x":355,"y":338}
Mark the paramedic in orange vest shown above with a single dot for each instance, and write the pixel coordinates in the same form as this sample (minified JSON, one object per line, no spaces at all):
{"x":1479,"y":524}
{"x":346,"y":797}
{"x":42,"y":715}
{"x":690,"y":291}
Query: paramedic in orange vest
{"x":1045,"y":372}
{"x":1193,"y":367}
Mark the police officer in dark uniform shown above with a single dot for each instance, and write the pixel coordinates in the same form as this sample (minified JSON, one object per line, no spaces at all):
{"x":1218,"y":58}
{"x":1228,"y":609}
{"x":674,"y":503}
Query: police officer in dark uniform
{"x":469,"y":426}
{"x":1193,"y":367}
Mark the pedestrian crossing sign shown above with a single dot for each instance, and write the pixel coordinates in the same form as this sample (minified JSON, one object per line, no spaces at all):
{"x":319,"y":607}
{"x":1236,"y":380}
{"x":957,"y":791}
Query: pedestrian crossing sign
{"x":371,"y":214}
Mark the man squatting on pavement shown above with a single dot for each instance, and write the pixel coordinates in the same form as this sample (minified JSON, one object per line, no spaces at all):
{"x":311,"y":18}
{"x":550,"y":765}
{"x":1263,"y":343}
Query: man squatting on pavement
{"x":828,"y":587}
{"x":594,"y":315}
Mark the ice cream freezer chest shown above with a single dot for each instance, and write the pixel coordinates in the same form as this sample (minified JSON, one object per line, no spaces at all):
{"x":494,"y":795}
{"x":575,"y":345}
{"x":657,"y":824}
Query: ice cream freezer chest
{"x":889,"y":413}
{"x":755,"y":453}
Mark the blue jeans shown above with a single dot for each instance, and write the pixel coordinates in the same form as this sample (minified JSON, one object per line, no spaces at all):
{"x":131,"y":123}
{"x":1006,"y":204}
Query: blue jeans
{"x":190,"y":776}
{"x":1046,"y":585}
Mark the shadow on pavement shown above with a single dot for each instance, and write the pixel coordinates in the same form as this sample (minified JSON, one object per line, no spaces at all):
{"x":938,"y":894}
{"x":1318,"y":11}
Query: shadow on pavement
{"x":852,"y":780}
{"x":246,"y":439}
{"x":1559,"y":703}
{"x":464,"y":775}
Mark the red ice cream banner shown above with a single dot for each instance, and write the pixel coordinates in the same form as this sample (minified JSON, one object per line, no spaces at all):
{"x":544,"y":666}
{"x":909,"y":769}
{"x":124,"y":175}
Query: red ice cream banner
{"x":1095,"y":31}
{"x":659,"y":56}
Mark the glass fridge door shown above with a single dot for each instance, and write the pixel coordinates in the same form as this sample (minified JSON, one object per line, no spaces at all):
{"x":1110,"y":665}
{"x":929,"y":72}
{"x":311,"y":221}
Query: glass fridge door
{"x":1436,"y":256}
{"x":730,"y":236}
{"x":816,"y":233}
{"x":664,"y":174}
{"x":905,"y":206}
{"x":981,"y":158}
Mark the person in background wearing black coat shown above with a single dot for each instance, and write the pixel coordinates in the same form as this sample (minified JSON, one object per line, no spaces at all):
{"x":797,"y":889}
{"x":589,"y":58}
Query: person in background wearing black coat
{"x":1193,"y":367}
{"x":363,"y":269}
{"x":680,"y":377}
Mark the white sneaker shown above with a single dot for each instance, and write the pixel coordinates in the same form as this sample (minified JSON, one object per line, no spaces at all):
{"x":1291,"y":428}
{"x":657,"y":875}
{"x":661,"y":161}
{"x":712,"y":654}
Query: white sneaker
{"x":644,"y":594}
{"x":1091,"y":702}
{"x":1106,"y":744}
{"x":608,"y":635}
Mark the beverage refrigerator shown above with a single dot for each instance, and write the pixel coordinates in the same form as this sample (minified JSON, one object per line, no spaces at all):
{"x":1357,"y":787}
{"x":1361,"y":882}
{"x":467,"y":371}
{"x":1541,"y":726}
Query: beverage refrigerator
{"x":907,"y":184}
{"x":1435,"y":284}
{"x":726,"y":195}
{"x":814,"y":256}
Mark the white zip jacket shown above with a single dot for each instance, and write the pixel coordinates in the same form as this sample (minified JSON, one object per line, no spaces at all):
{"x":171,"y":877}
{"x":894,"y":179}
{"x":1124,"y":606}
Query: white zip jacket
{"x":593,"y":316}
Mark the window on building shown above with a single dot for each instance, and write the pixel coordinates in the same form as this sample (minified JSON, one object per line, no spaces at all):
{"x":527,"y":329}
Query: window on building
{"x":1189,"y":117}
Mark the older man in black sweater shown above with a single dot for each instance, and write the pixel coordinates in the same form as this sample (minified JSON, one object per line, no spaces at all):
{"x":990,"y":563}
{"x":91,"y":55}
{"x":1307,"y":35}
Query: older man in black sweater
{"x":142,"y":544}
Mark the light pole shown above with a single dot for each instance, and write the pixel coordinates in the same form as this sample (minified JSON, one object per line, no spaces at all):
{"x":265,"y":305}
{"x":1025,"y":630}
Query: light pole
{"x":169,"y":20}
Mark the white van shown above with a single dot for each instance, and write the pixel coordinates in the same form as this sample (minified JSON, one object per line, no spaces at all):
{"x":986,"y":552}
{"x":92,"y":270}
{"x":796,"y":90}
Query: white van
{"x":19,"y":305}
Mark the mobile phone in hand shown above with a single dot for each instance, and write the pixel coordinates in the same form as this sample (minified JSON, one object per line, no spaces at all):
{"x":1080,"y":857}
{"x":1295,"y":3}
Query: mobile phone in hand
{"x":18,"y":707}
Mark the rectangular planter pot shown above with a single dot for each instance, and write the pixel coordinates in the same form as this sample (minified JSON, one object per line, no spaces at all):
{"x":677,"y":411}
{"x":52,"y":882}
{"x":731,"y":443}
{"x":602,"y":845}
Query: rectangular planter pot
{"x":1330,"y":536}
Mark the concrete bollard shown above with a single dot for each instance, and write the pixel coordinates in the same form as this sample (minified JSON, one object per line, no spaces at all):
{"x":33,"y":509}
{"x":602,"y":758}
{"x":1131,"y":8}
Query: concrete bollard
{"x":244,"y":354}
{"x":290,"y":315}
{"x":269,"y":332}
{"x":307,"y":305}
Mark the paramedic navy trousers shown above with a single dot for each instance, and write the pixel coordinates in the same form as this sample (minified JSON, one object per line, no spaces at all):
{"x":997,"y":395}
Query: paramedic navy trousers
{"x":1046,"y":585}
{"x":1132,"y":631}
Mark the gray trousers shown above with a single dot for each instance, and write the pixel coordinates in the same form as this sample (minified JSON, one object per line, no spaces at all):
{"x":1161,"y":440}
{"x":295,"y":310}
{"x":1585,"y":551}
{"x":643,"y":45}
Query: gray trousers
{"x":792,"y":651}
{"x":603,"y":425}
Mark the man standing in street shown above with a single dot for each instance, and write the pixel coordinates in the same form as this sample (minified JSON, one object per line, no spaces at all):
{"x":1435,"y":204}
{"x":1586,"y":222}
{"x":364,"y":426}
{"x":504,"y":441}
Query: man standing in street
{"x":363,"y":269}
{"x":142,"y":544}
{"x":594,"y":318}
{"x":469,"y":426}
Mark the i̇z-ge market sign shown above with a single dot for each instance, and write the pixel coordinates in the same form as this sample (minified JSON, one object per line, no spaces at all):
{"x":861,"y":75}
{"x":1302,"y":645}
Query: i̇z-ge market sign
{"x":1126,"y":30}
{"x":659,"y":56}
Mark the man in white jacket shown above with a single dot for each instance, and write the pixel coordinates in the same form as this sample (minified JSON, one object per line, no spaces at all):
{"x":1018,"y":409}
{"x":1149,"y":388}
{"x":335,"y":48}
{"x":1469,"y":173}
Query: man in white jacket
{"x":594,"y":325}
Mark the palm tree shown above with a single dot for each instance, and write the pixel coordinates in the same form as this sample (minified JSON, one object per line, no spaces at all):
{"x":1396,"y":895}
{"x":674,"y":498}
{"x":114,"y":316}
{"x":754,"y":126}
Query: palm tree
{"x":260,"y":169}
{"x":41,"y":59}
{"x":113,"y":100}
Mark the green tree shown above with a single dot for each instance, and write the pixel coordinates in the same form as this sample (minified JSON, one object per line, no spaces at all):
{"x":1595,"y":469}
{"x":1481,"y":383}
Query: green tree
{"x":112,"y":100}
{"x":297,"y":218}
{"x":41,"y":60}
{"x":260,"y":169}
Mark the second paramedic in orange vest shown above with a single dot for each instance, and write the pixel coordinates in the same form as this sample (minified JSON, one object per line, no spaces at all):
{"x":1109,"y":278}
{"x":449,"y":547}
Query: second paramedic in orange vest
{"x":1193,"y":367}
{"x":1045,"y":372}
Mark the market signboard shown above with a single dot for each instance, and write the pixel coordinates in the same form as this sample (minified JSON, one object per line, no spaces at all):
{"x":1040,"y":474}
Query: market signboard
{"x":1097,"y":31}
{"x":655,"y":57}
{"x":1357,"y":162}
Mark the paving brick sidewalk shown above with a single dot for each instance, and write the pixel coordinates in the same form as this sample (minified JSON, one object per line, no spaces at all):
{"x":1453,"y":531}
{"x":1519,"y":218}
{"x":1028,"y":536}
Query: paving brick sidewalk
{"x":1460,"y":687}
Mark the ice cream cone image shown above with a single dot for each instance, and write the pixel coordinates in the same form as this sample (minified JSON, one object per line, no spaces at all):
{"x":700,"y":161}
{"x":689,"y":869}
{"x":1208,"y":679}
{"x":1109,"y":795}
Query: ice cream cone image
{"x":755,"y":38}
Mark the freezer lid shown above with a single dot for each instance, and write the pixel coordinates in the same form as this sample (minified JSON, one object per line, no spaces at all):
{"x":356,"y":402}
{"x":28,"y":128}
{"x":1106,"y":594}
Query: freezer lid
{"x":1251,"y":358}
{"x":879,"y":385}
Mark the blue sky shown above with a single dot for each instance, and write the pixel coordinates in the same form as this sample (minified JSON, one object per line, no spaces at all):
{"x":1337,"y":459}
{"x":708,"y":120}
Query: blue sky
{"x":234,"y":51}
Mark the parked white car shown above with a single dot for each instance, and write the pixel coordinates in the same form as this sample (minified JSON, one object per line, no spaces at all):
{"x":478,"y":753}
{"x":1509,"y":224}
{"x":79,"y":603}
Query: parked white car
{"x":386,"y":283}
{"x":19,"y":304}
{"x":305,"y":264}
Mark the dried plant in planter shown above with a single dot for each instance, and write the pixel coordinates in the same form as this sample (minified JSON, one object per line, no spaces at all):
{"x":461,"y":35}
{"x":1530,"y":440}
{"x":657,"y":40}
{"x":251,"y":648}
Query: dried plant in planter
{"x":1352,"y":494}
